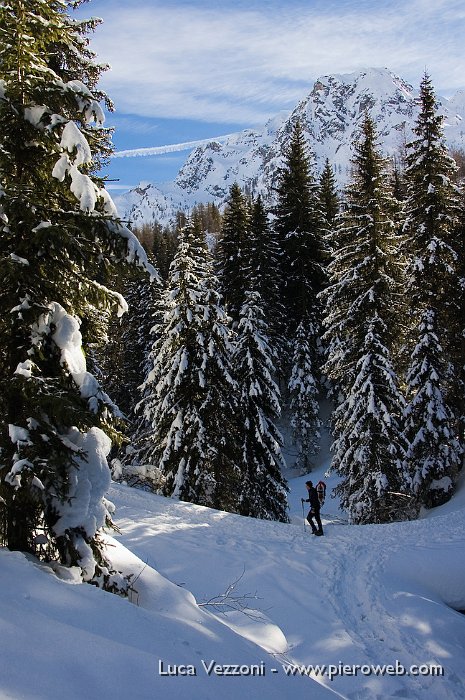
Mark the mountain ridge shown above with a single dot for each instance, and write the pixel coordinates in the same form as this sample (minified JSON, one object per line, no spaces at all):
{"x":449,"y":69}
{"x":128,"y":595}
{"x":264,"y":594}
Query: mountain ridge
{"x":330,"y":116}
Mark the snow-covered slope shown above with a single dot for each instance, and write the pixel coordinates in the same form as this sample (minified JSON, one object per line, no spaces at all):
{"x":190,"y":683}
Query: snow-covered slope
{"x":359,"y":597}
{"x":330,"y":115}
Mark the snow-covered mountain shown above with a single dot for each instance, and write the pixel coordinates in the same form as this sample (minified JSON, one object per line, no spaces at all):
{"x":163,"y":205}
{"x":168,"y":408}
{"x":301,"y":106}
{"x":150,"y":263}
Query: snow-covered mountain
{"x":330,"y":116}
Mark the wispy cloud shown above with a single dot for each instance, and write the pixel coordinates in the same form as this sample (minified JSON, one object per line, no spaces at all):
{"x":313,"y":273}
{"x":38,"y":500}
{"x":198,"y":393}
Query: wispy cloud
{"x":170,"y":148}
{"x":118,"y":188}
{"x":136,"y":125}
{"x":232,"y":64}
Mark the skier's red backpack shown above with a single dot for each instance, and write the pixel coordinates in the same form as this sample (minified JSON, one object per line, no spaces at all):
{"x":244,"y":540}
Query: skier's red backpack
{"x":321,"y":491}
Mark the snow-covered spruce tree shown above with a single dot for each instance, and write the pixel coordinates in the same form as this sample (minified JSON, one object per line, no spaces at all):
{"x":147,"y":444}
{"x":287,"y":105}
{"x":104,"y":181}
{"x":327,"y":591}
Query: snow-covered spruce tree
{"x":433,"y":454}
{"x":58,"y":235}
{"x":189,"y":395}
{"x":233,"y":253}
{"x":123,"y":360}
{"x":299,"y":224}
{"x":433,"y":291}
{"x":303,"y":391}
{"x":330,"y":204}
{"x":398,"y":180}
{"x":359,"y":331}
{"x":160,"y":242}
{"x":137,"y":461}
{"x":264,"y":487}
{"x":329,"y":197}
{"x":459,"y":324}
{"x":142,"y":295}
{"x":264,"y":271}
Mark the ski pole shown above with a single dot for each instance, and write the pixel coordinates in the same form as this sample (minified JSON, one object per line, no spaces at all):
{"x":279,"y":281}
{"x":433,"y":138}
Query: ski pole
{"x":303,"y":514}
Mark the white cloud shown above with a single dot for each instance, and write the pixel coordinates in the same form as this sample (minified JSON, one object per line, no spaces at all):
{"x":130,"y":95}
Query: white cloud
{"x":169,"y":148}
{"x":118,"y":188}
{"x":237,"y":65}
{"x":134,"y":124}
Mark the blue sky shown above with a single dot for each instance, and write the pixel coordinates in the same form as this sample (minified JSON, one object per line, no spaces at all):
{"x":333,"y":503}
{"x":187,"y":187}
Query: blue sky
{"x":187,"y":70}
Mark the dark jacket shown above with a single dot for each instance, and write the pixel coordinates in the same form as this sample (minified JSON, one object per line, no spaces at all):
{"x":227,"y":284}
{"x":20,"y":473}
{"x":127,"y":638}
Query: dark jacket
{"x":313,"y":500}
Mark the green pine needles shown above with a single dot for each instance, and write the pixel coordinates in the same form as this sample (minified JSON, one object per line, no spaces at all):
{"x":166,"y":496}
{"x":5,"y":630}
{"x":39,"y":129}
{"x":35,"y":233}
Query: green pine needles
{"x":59,"y":238}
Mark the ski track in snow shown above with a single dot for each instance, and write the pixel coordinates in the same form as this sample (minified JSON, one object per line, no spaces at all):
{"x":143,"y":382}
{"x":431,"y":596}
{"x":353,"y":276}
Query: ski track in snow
{"x":359,"y":595}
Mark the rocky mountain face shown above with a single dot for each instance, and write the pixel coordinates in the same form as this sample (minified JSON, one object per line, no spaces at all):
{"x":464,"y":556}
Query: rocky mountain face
{"x":330,"y":117}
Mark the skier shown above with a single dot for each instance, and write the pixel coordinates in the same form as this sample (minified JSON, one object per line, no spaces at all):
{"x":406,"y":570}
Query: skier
{"x":314,"y":512}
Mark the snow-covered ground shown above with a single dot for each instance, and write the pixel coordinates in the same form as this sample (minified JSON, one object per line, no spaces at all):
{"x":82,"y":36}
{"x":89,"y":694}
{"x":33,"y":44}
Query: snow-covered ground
{"x":361,"y":595}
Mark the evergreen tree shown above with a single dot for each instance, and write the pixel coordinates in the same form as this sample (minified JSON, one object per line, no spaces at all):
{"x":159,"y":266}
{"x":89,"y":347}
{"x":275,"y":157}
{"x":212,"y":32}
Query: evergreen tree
{"x":123,"y":360}
{"x":330,"y":204}
{"x":368,"y":448}
{"x":433,"y":454}
{"x":264,"y":271}
{"x":359,"y":331}
{"x":233,"y":253}
{"x":210,"y":218}
{"x":264,"y":487}
{"x":137,"y":462}
{"x":58,"y":238}
{"x":304,"y":390}
{"x":399,"y":165}
{"x":458,"y":397}
{"x":433,"y":291}
{"x":160,"y":243}
{"x":189,"y":393}
{"x":299,"y":225}
{"x":329,"y":197}
{"x":398,"y":181}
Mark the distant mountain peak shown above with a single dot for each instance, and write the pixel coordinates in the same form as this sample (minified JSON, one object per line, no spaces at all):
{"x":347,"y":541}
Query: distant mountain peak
{"x":330,"y":116}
